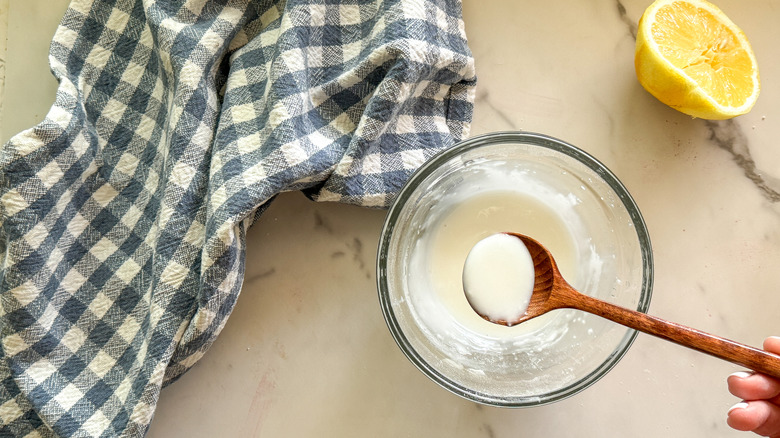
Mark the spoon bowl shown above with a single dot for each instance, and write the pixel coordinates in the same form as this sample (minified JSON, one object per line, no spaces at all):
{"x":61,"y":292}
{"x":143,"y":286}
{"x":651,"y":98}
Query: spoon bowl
{"x":547,"y":278}
{"x":551,"y":291}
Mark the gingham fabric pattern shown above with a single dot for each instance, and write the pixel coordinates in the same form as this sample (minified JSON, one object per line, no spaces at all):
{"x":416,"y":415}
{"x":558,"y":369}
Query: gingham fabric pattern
{"x":123,"y":214}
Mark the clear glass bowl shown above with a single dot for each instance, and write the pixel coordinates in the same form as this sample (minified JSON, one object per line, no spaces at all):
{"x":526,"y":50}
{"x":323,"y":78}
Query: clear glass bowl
{"x":550,"y":359}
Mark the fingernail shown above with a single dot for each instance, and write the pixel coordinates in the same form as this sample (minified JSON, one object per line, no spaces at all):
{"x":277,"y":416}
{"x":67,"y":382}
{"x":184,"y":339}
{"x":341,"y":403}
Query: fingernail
{"x":741,"y":374}
{"x":740,"y":405}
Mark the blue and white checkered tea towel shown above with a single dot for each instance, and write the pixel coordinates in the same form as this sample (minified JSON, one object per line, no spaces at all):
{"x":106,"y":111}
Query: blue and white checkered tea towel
{"x":123,"y":214}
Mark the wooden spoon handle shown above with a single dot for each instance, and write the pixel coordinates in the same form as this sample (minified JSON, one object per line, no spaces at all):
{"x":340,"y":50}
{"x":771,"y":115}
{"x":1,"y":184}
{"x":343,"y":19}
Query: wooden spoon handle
{"x":740,"y":354}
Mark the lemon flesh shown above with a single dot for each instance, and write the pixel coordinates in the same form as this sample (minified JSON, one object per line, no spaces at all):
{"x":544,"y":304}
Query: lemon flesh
{"x":690,"y":56}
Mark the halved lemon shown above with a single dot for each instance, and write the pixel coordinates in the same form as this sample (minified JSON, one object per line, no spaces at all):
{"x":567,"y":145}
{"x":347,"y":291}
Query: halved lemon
{"x":692,"y":57}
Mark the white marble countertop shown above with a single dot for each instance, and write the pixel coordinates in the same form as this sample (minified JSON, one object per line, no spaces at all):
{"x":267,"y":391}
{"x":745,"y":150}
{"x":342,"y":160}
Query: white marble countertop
{"x":306,"y":351}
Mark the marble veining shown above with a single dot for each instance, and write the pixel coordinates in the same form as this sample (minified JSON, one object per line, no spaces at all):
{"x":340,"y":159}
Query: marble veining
{"x":265,"y":274}
{"x":356,"y":247}
{"x":483,"y":98}
{"x":728,"y":135}
{"x":629,"y":22}
{"x":489,"y":433}
{"x":321,"y":223}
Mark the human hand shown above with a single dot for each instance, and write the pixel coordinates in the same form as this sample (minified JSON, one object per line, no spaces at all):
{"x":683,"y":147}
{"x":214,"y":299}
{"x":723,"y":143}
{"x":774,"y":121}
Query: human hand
{"x":760,"y":410}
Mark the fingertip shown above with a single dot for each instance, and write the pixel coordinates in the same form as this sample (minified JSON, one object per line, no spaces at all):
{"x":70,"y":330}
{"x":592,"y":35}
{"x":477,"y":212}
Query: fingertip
{"x":753,"y":386}
{"x":739,"y":384}
{"x":742,"y":418}
{"x":772,"y":344}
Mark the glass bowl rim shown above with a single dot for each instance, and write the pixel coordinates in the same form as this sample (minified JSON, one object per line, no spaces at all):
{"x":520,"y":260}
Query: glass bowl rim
{"x":539,"y":140}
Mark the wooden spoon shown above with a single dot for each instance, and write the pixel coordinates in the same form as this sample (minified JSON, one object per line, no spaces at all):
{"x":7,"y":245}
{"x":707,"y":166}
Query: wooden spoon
{"x":551,"y":292}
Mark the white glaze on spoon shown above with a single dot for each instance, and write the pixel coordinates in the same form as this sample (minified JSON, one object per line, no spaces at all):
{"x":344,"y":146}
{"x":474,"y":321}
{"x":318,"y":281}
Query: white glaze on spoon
{"x":498,"y":278}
